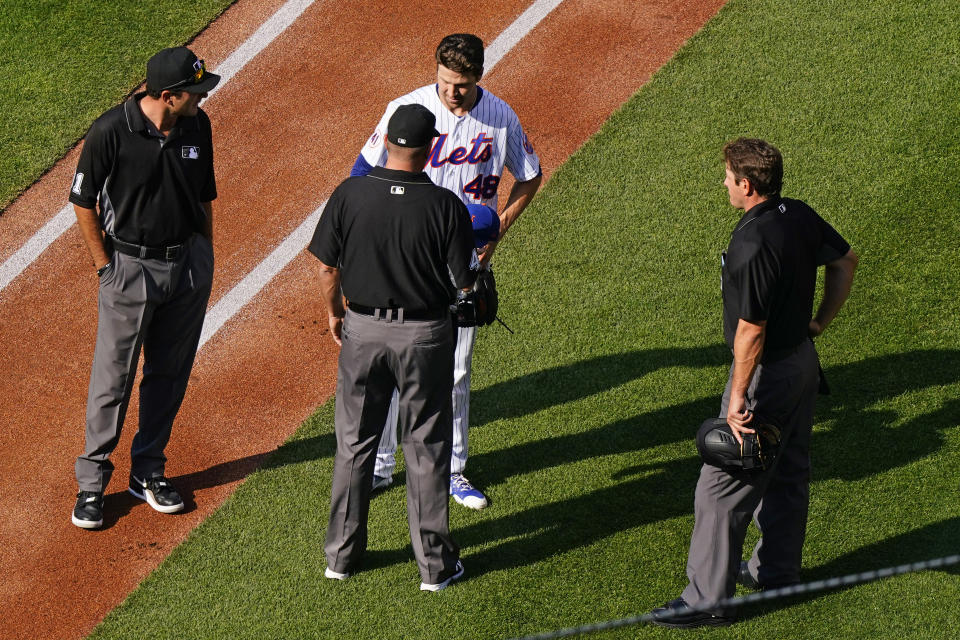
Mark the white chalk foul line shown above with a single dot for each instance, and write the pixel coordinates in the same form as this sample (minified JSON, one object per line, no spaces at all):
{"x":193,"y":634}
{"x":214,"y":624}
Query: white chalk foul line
{"x":231,"y":303}
{"x":267,"y":33}
{"x":244,"y":291}
{"x":261,"y":38}
{"x":37,"y":244}
{"x":513,"y":34}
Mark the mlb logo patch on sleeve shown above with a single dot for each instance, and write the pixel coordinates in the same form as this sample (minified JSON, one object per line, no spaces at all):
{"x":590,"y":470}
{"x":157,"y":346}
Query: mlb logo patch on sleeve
{"x":190,"y":153}
{"x":77,"y":182}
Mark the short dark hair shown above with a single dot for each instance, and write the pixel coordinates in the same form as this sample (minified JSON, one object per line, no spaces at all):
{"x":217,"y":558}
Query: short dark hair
{"x":155,"y":93}
{"x":758,"y":161}
{"x":461,"y":52}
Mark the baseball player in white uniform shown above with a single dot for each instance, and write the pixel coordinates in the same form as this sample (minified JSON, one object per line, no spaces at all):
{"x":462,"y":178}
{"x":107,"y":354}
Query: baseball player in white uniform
{"x":479,"y":135}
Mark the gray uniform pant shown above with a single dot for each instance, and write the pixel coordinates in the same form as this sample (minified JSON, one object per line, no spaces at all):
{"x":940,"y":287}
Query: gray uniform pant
{"x":783,"y":392}
{"x":416,"y":358}
{"x":462,"y":364}
{"x":158,"y":305}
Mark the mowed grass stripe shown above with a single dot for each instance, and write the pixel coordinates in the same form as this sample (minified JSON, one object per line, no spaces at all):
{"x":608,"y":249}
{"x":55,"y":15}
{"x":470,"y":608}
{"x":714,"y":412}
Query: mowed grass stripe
{"x":64,"y":63}
{"x":583,"y":420}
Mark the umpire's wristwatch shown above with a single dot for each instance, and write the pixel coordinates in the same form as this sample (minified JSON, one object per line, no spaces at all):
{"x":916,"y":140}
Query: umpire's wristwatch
{"x":102,"y":269}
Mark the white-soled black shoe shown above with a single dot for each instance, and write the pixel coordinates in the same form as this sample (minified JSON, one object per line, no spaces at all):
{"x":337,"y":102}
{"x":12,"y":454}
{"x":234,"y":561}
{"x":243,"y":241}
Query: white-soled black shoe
{"x":157,"y":492}
{"x":456,"y":575}
{"x":88,"y":511}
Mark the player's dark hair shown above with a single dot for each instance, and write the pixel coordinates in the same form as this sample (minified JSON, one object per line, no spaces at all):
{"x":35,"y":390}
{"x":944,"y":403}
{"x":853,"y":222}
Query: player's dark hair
{"x":461,"y":52}
{"x":758,"y":161}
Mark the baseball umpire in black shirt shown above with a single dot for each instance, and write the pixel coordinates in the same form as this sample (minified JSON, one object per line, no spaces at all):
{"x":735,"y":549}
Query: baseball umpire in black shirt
{"x":148,"y":164}
{"x":396,"y":246}
{"x":769,"y":276}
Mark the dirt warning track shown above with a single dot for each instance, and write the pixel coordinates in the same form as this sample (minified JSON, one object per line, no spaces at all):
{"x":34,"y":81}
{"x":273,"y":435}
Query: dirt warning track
{"x":287,"y":129}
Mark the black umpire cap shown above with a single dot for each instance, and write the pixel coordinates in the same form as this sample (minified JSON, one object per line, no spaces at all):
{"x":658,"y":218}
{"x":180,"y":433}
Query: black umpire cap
{"x":412,"y":125}
{"x":178,"y":69}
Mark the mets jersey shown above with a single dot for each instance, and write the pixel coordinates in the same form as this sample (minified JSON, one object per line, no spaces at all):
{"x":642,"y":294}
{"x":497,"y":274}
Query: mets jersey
{"x":471,"y":151}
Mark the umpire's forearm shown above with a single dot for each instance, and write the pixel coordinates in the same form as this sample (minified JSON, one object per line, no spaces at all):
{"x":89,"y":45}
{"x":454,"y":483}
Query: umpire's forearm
{"x":92,"y":234}
{"x":747,"y":350}
{"x":330,"y":290}
{"x":837,"y":282}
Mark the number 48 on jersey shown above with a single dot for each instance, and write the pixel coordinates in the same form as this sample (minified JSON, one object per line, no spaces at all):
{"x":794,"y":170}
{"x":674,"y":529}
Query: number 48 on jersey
{"x":482,"y":187}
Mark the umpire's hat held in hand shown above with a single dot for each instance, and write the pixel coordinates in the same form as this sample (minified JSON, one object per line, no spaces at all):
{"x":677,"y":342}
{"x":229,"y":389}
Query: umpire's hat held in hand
{"x":412,"y":125}
{"x":178,"y":69}
{"x":718,"y":447}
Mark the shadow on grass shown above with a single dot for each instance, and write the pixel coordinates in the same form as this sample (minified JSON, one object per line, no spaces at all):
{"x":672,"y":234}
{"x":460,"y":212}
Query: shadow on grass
{"x":936,"y":540}
{"x":862,"y":442}
{"x":655,"y":492}
{"x":858,"y":445}
{"x":510,"y":399}
{"x":559,"y":385}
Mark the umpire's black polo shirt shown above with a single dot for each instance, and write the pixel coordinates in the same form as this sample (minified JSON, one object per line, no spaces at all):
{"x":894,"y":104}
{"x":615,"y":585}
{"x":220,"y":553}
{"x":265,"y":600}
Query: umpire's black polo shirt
{"x":770,"y":270}
{"x":149,"y":187}
{"x":397,"y":239}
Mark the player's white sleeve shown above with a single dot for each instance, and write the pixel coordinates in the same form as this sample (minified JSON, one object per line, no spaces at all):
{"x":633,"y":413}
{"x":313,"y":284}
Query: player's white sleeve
{"x":374,"y":151}
{"x":522,"y":160}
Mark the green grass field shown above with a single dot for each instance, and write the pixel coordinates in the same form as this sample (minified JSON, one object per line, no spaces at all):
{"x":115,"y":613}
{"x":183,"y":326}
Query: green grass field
{"x":583,"y":420}
{"x":64,"y":62}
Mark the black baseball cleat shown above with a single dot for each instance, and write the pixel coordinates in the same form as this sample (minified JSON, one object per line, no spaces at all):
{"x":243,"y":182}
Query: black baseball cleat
{"x":744,"y":578}
{"x":88,"y":512}
{"x":677,"y":614}
{"x":158,"y":493}
{"x":747,"y":580}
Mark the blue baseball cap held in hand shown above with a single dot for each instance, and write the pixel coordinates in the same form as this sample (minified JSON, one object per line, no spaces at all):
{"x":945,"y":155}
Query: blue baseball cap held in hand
{"x":486,"y":224}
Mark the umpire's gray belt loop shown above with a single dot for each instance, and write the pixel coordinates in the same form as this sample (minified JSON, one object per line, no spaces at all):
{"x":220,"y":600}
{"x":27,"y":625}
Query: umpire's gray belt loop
{"x":388,"y":314}
{"x":400,"y":315}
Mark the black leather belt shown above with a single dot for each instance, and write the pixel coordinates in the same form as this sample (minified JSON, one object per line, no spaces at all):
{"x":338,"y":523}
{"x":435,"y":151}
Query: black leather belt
{"x":157,"y":253}
{"x":400,"y":314}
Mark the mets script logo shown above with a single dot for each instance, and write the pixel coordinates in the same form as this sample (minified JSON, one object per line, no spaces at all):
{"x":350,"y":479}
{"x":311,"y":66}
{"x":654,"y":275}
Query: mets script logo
{"x":375,"y":138}
{"x":481,"y":150}
{"x":190,"y":153}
